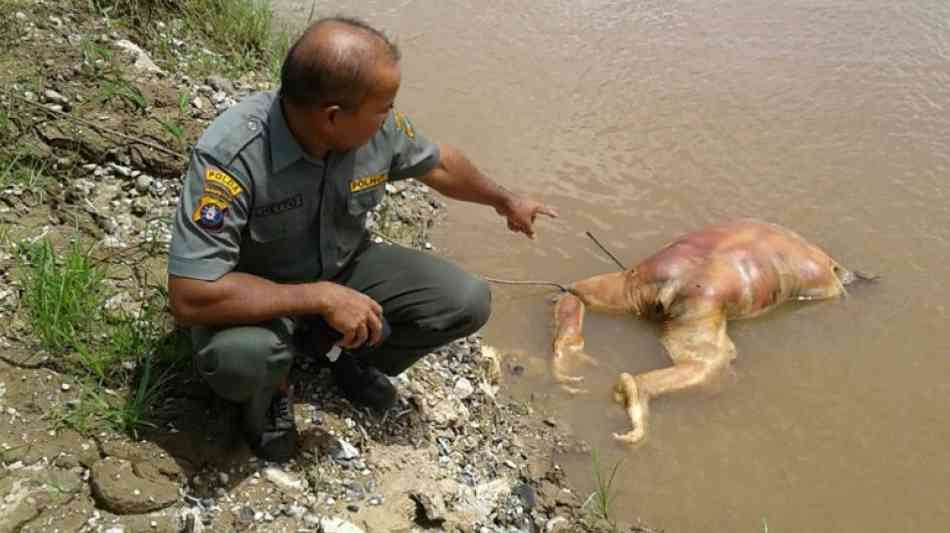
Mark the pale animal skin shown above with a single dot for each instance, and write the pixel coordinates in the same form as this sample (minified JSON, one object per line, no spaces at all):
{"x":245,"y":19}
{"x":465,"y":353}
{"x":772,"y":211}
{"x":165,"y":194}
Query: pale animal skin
{"x":693,"y":287}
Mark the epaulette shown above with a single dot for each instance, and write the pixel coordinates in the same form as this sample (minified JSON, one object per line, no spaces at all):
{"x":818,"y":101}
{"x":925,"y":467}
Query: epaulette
{"x":233,"y":142}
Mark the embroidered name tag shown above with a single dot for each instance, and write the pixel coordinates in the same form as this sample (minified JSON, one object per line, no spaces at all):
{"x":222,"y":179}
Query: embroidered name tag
{"x":366,"y":182}
{"x":286,"y":204}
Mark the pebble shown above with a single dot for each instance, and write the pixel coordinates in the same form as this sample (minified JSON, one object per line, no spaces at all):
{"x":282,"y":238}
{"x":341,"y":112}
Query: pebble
{"x":345,"y":452}
{"x":54,"y":97}
{"x":143,"y":183}
{"x":121,"y":170}
{"x":463,"y":388}
{"x":65,"y":387}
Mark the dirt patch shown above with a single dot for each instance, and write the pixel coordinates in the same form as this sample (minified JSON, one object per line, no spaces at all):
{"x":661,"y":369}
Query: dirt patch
{"x":94,"y":144}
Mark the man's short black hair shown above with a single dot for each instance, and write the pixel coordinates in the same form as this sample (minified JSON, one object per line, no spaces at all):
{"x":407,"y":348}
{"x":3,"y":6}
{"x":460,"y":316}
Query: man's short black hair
{"x":316,"y":73}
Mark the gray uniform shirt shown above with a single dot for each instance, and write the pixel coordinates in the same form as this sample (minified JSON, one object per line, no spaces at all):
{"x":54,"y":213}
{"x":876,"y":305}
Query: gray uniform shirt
{"x":253,"y":201}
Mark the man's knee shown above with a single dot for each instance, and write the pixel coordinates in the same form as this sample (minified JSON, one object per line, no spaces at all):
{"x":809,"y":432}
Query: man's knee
{"x":240,"y":361}
{"x":470,"y":306}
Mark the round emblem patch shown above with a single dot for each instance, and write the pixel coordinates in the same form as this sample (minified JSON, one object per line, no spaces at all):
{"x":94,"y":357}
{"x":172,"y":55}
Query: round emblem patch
{"x":211,"y":217}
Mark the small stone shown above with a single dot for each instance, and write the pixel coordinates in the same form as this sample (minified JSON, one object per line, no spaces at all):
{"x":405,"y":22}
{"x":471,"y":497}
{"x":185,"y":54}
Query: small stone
{"x":337,"y":525}
{"x":283,"y":479}
{"x":65,"y":387}
{"x":556,"y":524}
{"x":311,"y":520}
{"x":54,"y":97}
{"x":143,"y":183}
{"x":463,"y":388}
{"x":223,"y":478}
{"x":20,"y":15}
{"x":121,"y":170}
{"x":345,"y":452}
{"x":220,"y":83}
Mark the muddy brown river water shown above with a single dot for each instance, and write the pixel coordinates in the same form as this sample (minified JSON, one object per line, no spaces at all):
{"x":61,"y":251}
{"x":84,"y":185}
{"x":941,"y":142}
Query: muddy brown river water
{"x":640,"y":120}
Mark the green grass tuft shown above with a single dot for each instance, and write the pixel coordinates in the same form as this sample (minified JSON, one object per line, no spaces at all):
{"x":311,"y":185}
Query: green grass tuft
{"x":62,"y":297}
{"x":17,"y":171}
{"x":600,"y":501}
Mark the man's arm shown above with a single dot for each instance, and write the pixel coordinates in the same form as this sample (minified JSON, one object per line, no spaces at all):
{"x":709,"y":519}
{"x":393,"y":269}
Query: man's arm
{"x":239,"y":298}
{"x":456,"y":177}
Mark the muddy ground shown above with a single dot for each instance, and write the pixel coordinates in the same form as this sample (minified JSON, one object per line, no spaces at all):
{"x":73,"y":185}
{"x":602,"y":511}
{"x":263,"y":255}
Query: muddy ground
{"x":108,"y":115}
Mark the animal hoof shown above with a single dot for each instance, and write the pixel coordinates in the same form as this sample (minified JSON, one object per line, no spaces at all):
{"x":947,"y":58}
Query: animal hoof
{"x":568,"y":379}
{"x":574,"y":391}
{"x":630,"y":437}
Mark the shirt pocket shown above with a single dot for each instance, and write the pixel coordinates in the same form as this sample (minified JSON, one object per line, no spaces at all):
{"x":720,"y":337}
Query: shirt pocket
{"x":361,"y":202}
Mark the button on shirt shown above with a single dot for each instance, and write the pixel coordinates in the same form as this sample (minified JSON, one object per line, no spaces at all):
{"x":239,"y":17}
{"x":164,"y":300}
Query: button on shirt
{"x":253,"y":201}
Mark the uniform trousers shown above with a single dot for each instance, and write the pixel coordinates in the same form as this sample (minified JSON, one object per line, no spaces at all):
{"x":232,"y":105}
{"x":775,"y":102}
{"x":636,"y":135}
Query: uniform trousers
{"x":427,"y":300}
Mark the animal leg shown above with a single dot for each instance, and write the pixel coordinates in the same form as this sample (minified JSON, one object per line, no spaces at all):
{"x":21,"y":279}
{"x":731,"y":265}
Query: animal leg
{"x":568,"y":342}
{"x":699,"y":349}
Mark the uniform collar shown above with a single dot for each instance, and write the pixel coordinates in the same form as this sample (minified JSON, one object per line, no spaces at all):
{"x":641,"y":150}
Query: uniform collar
{"x":284,"y":148}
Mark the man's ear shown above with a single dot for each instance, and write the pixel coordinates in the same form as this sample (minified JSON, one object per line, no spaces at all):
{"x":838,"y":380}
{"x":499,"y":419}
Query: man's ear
{"x":331,"y":112}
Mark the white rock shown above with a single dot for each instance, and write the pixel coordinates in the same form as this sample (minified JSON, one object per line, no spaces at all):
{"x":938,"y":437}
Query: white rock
{"x":555,"y":524}
{"x":54,"y":97}
{"x":143,"y":183}
{"x":463,"y":388}
{"x":346,"y":452}
{"x":283,"y":479}
{"x":338,"y":525}
{"x":121,"y":170}
{"x":142,"y":60}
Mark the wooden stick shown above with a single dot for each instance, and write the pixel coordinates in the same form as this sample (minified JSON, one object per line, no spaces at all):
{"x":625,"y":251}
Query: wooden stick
{"x":606,"y":251}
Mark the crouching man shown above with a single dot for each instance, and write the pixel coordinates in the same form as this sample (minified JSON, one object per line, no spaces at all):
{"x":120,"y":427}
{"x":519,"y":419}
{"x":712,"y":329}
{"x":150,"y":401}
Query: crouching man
{"x":270,"y":259}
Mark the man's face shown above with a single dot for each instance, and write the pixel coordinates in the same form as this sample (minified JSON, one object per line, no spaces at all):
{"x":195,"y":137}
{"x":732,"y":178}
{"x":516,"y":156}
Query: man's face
{"x":353,"y":128}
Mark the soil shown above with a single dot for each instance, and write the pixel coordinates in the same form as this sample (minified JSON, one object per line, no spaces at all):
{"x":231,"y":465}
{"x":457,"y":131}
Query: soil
{"x":456,"y":454}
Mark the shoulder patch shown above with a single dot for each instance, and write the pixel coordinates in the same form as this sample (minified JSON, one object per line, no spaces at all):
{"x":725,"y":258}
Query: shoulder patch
{"x":209,"y":213}
{"x":217,"y":176}
{"x":403,"y":124}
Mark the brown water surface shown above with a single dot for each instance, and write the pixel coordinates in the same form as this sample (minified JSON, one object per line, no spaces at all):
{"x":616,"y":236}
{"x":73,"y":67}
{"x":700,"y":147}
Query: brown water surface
{"x":640,"y":120}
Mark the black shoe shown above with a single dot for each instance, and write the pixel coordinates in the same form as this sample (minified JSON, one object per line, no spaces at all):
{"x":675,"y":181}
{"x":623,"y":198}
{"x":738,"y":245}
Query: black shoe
{"x":275,"y":437}
{"x":362,"y":384}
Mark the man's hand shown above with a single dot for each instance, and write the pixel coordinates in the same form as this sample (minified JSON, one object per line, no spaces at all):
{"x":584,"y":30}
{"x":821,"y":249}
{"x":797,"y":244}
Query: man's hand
{"x":522,"y":212}
{"x":352,"y":313}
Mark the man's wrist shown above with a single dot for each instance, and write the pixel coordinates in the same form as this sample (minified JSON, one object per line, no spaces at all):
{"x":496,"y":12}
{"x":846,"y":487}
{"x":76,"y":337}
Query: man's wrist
{"x":505,"y":201}
{"x":316,"y":300}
